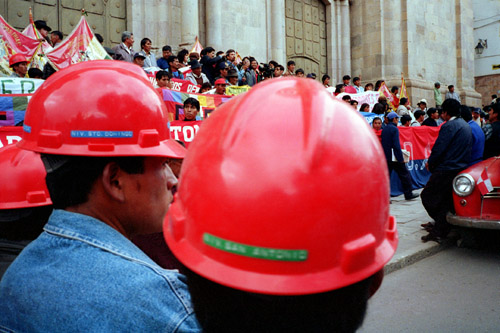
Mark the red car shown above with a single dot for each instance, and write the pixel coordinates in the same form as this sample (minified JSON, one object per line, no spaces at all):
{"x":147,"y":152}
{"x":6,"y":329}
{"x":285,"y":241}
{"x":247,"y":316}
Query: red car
{"x":473,"y":210}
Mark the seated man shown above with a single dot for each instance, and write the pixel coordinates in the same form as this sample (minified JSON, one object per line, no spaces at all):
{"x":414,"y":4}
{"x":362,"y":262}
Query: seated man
{"x":166,"y":52}
{"x":163,"y":80}
{"x":220,"y":88}
{"x":299,"y":262}
{"x":108,"y":179}
{"x":232,"y":77}
{"x":139,"y":58}
{"x":173,"y":66}
{"x":196,"y":76}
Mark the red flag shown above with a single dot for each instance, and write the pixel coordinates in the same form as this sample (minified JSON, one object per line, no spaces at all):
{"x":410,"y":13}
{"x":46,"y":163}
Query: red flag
{"x":484,"y":183}
{"x":384,"y":91}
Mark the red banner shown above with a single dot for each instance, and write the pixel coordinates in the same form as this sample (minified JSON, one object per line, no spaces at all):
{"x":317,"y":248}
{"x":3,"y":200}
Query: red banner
{"x":10,"y":135}
{"x":184,"y":86}
{"x":418,"y":140}
{"x":184,"y":131}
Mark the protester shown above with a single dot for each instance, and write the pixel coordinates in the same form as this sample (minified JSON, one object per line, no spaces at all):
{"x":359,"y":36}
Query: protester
{"x":421,"y":105}
{"x":404,"y":107}
{"x":311,"y":76}
{"x":452,"y":94}
{"x":290,"y":68}
{"x":183,"y":57}
{"x":357,"y":85}
{"x":56,"y":38}
{"x":173,"y":66}
{"x":437,"y":95}
{"x":83,"y":268}
{"x":220,"y":87}
{"x":478,"y":138}
{"x":163,"y":61}
{"x":223,"y":69}
{"x":476,"y":116}
{"x":306,"y":268}
{"x":43,"y":28}
{"x":440,"y":120}
{"x":394,"y":156}
{"x":19,"y":65}
{"x":35,"y":73}
{"x":205,"y":88}
{"x":25,"y":204}
{"x":231,"y":59}
{"x":492,"y":144}
{"x":432,"y":116}
{"x":377,"y":123}
{"x":124,"y":50}
{"x":326,"y":80}
{"x":339,"y":89}
{"x":450,"y":154}
{"x":209,"y":61}
{"x":354,"y":104}
{"x":405,"y":120}
{"x":163,"y":79}
{"x":250,"y":73}
{"x":194,"y":56}
{"x":196,"y":76}
{"x":191,"y":108}
{"x":245,"y":66}
{"x":378,"y":84}
{"x":232,"y":77}
{"x":369,"y":87}
{"x":365,"y":107}
{"x":150,"y":58}
{"x":395,"y":94}
{"x":346,"y":80}
{"x":378,"y":108}
{"x":419,"y":118}
{"x":347,"y":99}
{"x":278,"y":71}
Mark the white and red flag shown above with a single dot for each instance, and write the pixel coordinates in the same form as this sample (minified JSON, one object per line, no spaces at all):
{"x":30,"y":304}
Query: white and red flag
{"x":484,"y":183}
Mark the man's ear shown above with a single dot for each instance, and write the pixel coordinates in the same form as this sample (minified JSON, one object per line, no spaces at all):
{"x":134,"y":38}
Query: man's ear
{"x":376,"y":282}
{"x":112,"y":181}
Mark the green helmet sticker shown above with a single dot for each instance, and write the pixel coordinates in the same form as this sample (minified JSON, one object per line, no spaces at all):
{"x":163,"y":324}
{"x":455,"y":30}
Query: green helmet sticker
{"x":254,"y":251}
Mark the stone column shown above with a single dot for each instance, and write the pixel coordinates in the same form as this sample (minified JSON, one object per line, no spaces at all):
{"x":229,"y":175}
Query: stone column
{"x":189,"y":22}
{"x":278,"y":33}
{"x":345,"y":55}
{"x":214,"y":24}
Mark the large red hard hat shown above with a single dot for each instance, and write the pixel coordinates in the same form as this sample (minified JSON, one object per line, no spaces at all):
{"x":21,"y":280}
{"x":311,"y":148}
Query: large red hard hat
{"x":17,"y":58}
{"x":22,"y":178}
{"x":99,"y":108}
{"x":284,"y":191}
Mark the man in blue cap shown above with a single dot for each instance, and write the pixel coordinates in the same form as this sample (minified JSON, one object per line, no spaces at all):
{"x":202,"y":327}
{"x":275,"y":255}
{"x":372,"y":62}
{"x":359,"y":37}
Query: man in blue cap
{"x":394,"y":155}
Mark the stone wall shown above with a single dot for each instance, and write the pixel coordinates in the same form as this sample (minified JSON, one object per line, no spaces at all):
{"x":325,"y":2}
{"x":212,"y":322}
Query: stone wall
{"x":488,"y":85}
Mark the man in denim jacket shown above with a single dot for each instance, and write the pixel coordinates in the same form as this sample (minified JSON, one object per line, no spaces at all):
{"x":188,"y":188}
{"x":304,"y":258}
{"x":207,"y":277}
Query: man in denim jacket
{"x":105,"y":150}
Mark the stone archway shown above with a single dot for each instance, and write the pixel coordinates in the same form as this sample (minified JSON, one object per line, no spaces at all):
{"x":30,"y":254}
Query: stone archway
{"x":306,"y":41}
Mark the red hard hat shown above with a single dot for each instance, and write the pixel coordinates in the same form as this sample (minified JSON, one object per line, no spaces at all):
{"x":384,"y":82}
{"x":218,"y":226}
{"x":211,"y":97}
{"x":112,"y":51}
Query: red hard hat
{"x":17,"y":58}
{"x":22,"y":178}
{"x":284,"y":191}
{"x":99,"y":108}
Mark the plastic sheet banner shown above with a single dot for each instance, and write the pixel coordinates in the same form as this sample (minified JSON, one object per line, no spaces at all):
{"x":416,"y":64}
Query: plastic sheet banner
{"x":236,"y":90}
{"x":10,"y":135}
{"x":184,"y":131}
{"x":174,"y":100}
{"x":368,"y":97}
{"x":15,"y":94}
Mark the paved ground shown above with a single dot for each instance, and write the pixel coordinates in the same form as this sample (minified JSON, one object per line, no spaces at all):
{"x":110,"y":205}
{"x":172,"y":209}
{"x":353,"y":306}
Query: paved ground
{"x":409,"y":215}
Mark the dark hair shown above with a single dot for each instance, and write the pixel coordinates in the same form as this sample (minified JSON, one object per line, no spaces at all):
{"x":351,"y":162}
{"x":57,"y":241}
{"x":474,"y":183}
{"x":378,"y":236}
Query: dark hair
{"x":419,"y":113}
{"x":346,"y":77}
{"x":229,"y":51}
{"x":219,"y":53}
{"x":193,"y":102}
{"x":356,"y":79}
{"x":206,"y":85}
{"x":405,"y":118}
{"x":430,"y":111}
{"x":496,"y":108}
{"x":300,"y":70}
{"x":363,"y":106}
{"x":465,"y":113}
{"x":378,"y":84}
{"x":394,"y":88}
{"x":274,"y":63}
{"x":326,"y":76}
{"x":99,"y":38}
{"x":354,"y":101}
{"x":487,"y":108}
{"x":71,"y":183}
{"x":378,"y":108}
{"x":281,"y":68}
{"x":35,"y":73}
{"x":161,"y":74}
{"x":144,"y":41}
{"x":376,"y":118}
{"x":338,"y":88}
{"x":23,"y":223}
{"x":60,"y":35}
{"x":206,"y":50}
{"x":171,"y":59}
{"x":289,"y":63}
{"x":346,"y":98}
{"x":450,"y":86}
{"x":222,"y":309}
{"x":182,"y":53}
{"x":166,"y":48}
{"x":368,"y":85}
{"x":403,"y":101}
{"x":451,"y":107}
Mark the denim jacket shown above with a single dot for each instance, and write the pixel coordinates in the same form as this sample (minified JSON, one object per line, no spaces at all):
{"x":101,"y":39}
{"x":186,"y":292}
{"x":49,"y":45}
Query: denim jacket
{"x":83,"y":275}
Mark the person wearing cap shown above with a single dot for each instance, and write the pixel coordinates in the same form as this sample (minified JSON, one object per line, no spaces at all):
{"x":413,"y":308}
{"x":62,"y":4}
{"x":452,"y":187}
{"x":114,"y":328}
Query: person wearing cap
{"x":311,"y":76}
{"x":437,"y":95}
{"x":108,"y":179}
{"x":173,"y":66}
{"x":476,"y":116}
{"x":452,"y":94}
{"x":25,"y":203}
{"x":394,"y":155}
{"x":281,"y":253}
{"x":196,"y":76}
{"x":432,"y":116}
{"x":450,"y":154}
{"x":124,"y":50}
{"x":220,"y":87}
{"x":232,"y":77}
{"x":43,"y":28}
{"x":421,"y":105}
{"x":139,"y":58}
{"x":223,"y":69}
{"x":19,"y":65}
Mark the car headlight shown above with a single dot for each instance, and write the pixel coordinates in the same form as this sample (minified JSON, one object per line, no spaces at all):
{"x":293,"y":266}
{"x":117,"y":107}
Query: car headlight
{"x":463,"y":184}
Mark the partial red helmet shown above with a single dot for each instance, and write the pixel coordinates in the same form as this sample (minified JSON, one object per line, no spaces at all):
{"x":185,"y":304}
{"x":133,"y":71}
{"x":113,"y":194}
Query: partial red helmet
{"x":22,"y":178}
{"x":99,"y":108}
{"x":284,"y":191}
{"x":17,"y":58}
